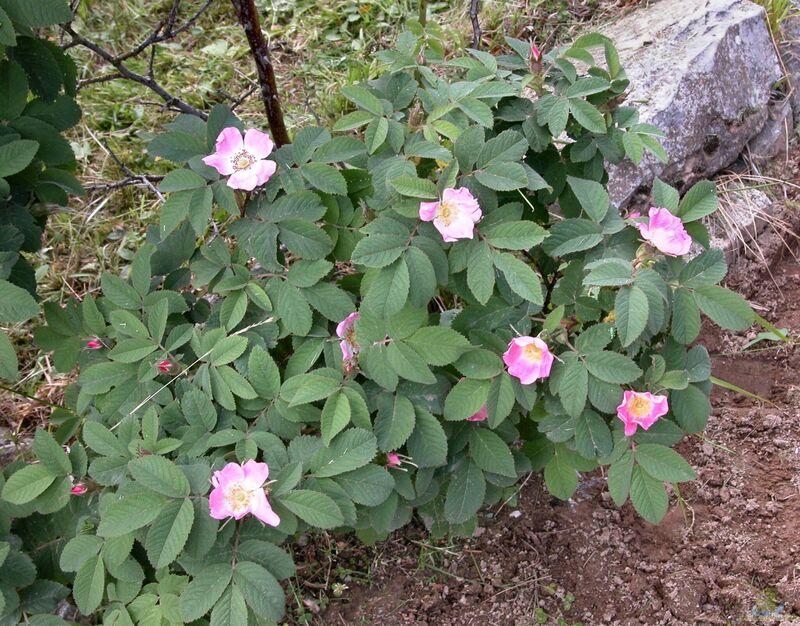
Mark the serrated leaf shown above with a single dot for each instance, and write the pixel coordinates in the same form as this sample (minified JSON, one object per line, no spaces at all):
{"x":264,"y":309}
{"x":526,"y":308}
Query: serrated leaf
{"x":619,"y":478}
{"x":612,"y":367}
{"x":161,"y":475}
{"x":502,"y":176}
{"x":128,"y":513}
{"x":725,"y":307}
{"x":491,"y":453}
{"x":89,"y":585}
{"x":204,"y":590}
{"x":663,"y":463}
{"x":574,"y":387}
{"x":394,"y":423}
{"x":632,"y":311}
{"x":648,"y":496}
{"x":428,"y":443}
{"x":335,"y":416}
{"x":314,"y":508}
{"x":465,"y":399}
{"x":520,"y":277}
{"x":27,"y":483}
{"x":465,"y":493}
{"x":168,"y":533}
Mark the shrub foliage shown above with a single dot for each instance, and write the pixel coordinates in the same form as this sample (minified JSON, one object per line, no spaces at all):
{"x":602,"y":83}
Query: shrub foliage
{"x":220,"y":344}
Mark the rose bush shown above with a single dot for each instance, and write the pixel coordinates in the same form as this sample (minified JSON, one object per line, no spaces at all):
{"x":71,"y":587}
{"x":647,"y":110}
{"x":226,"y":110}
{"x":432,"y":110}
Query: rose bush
{"x":400,"y":318}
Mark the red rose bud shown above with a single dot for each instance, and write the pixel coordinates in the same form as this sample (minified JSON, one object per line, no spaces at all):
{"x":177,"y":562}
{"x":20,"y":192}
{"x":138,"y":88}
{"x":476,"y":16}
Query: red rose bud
{"x":536,"y":54}
{"x":165,"y":366}
{"x":79,"y":489}
{"x":94,"y":344}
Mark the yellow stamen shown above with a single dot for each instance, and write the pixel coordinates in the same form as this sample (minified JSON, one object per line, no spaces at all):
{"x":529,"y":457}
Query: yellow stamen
{"x":640,"y":407}
{"x":532,"y":352}
{"x":243,"y":160}
{"x":238,"y":497}
{"x":446,"y":213}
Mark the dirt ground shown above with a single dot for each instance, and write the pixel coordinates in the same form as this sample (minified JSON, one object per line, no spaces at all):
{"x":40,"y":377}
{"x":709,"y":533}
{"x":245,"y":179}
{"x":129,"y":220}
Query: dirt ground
{"x":729,"y":553}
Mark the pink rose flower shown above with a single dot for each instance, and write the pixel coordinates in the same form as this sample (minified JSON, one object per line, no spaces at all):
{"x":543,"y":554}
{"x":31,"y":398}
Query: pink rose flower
{"x":641,"y":409}
{"x":529,"y":359}
{"x":480,"y":416}
{"x":79,"y":489}
{"x":244,"y":160}
{"x":536,"y":54}
{"x":454,"y":216}
{"x":94,"y":344}
{"x":238,"y":490}
{"x":393,"y":460}
{"x":346,"y":330}
{"x":165,"y":366}
{"x":666,"y":232}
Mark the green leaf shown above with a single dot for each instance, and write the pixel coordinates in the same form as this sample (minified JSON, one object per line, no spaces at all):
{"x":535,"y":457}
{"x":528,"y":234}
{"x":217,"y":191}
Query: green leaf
{"x":491,"y":453}
{"x":27,"y":483}
{"x":502,"y":176}
{"x":305,"y":239}
{"x":574,"y":387}
{"x":263,"y":373}
{"x":132,"y":350}
{"x":612,"y":367}
{"x":663,"y":463}
{"x":40,"y":13}
{"x":591,"y":195}
{"x":363,"y":98}
{"x":477,"y":111}
{"x":438,"y":345}
{"x":466,"y":399}
{"x":467,"y":147}
{"x":378,"y":250}
{"x":414,"y":187}
{"x":51,"y":454}
{"x":707,"y":268}
{"x":691,"y":407}
{"x":619,"y":478}
{"x":725,"y":307}
{"x":160,"y":474}
{"x":261,"y":591}
{"x":204,"y":590}
{"x":78,"y":550}
{"x":335,"y":416}
{"x":350,"y":450}
{"x":508,"y":146}
{"x":587,"y":116}
{"x":314,"y":508}
{"x":699,"y":201}
{"x":181,"y":180}
{"x":119,"y":292}
{"x":227,"y":349}
{"x":665,"y":196}
{"x":306,"y":388}
{"x":465,"y":492}
{"x":15,"y":156}
{"x":408,"y":364}
{"x":388,"y":293}
{"x":230,"y":609}
{"x":515,"y":235}
{"x":632,"y":311}
{"x":376,"y":133}
{"x":325,"y":178}
{"x":394,"y":423}
{"x":611,"y":272}
{"x":648,"y":496}
{"x":685,"y":317}
{"x":16,"y":304}
{"x":560,"y":477}
{"x":168,"y":533}
{"x":128,"y":513}
{"x":480,"y":272}
{"x":13,"y":82}
{"x":592,"y":436}
{"x":572,"y":235}
{"x":369,"y":485}
{"x":89,"y":585}
{"x":520,"y":277}
{"x":428,"y":443}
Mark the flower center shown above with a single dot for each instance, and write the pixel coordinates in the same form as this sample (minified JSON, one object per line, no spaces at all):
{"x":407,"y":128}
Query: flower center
{"x":237,"y":497}
{"x":350,"y":338}
{"x":532,"y":352}
{"x":640,"y":407}
{"x":446,"y":213}
{"x":243,"y":160}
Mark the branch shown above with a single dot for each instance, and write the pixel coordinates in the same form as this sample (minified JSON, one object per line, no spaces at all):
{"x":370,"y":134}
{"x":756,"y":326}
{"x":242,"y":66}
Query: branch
{"x":165,"y":30}
{"x":476,"y":26}
{"x":247,"y":15}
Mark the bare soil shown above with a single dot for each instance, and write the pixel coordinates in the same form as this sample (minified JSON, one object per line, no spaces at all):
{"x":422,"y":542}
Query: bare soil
{"x":728,"y":551}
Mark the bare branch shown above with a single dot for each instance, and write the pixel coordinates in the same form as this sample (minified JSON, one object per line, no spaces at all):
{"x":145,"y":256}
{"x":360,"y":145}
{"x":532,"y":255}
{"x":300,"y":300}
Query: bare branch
{"x":476,"y":25}
{"x":165,"y":30}
{"x":247,"y":15}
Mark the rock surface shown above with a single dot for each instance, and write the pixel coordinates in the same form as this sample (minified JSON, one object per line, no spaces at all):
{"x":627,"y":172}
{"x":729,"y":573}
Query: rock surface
{"x":790,"y":51}
{"x":702,"y":71}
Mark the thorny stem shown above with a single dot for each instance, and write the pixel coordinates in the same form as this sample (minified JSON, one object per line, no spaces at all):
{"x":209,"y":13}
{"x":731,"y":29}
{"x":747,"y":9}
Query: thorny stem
{"x":476,"y":25}
{"x":423,"y":12}
{"x":247,"y":14}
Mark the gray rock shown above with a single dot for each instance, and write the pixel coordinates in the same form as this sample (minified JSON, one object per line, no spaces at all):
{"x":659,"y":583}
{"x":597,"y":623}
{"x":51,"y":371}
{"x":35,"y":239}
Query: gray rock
{"x":790,"y":53}
{"x":773,"y":139}
{"x":702,"y":71}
